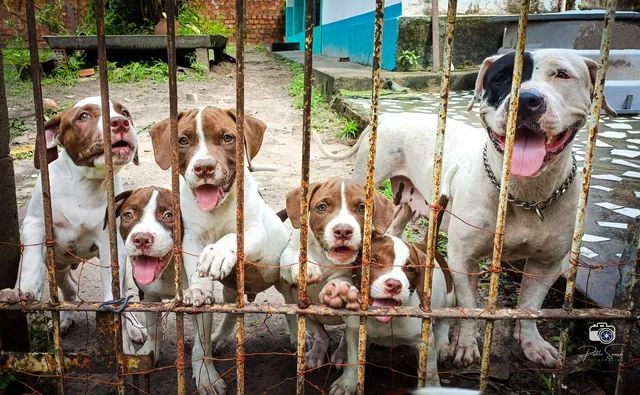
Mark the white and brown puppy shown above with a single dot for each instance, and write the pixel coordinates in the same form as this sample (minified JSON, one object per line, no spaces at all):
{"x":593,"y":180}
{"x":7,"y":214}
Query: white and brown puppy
{"x":336,"y":219}
{"x":78,"y":199}
{"x":146,"y":225}
{"x":397,"y":273}
{"x":207,"y":152}
{"x":556,"y":92}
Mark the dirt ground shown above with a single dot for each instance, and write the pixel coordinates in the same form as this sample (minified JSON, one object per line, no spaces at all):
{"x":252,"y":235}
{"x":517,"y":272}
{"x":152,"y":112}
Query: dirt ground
{"x":267,"y":98}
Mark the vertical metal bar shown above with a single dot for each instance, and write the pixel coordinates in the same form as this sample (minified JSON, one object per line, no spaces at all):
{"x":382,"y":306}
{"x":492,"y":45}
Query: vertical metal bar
{"x":578,"y":232}
{"x":626,"y":352}
{"x":504,"y":189}
{"x":240,"y":144}
{"x":432,"y":233}
{"x":108,"y":163}
{"x":175,"y":190}
{"x":435,"y":35}
{"x":46,"y":189}
{"x":303,"y":300}
{"x":369,"y":193}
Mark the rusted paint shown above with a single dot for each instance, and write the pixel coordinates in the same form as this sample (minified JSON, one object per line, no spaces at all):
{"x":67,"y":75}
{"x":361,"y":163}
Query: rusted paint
{"x":47,"y":364}
{"x":240,"y":148}
{"x":46,"y":187}
{"x":269,"y":308}
{"x":578,"y":232}
{"x":108,"y":163}
{"x":175,"y":192}
{"x":369,"y":193}
{"x":432,"y":232}
{"x":504,"y":189}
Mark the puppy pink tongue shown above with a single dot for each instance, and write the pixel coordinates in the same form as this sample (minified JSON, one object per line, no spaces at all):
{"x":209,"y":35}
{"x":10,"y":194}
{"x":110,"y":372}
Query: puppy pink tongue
{"x":383,"y":303}
{"x":144,"y":269}
{"x":528,"y":154}
{"x":207,"y":197}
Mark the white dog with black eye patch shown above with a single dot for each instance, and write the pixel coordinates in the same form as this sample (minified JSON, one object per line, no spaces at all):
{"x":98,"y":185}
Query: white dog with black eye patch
{"x":556,"y":92}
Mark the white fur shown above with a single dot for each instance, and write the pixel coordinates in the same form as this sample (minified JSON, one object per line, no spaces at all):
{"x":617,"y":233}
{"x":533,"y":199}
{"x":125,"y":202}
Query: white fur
{"x":400,"y":331}
{"x":344,"y":217}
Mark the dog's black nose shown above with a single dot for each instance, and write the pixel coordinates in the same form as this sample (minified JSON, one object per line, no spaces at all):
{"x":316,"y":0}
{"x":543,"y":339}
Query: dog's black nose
{"x":343,"y":232}
{"x":530,"y":104}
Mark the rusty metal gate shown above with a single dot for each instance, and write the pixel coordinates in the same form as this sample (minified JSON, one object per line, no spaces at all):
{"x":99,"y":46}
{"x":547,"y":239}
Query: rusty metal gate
{"x":57,"y":364}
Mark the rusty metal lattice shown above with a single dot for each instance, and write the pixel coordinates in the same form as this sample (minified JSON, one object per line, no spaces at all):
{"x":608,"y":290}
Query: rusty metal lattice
{"x":57,"y":363}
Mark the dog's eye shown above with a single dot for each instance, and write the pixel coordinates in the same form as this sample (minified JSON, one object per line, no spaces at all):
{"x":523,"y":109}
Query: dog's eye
{"x":227,"y":138}
{"x":562,"y":75}
{"x":127,"y":216}
{"x":361,"y":207}
{"x":183,"y":140}
{"x":322,"y":207}
{"x":126,"y":113}
{"x":168,"y":216}
{"x":410,"y":268}
{"x":84,"y":116}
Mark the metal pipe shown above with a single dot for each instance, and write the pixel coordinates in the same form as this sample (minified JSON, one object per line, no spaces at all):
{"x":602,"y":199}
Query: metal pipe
{"x":369,"y":194}
{"x":578,"y":232}
{"x":240,"y":145}
{"x":269,"y":308}
{"x":175,"y":190}
{"x":432,"y":232}
{"x":108,"y":175}
{"x":435,"y":34}
{"x":496,"y":263}
{"x":46,"y":188}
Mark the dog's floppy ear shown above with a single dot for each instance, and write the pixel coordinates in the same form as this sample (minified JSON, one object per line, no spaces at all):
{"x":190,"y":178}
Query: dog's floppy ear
{"x":414,"y":268}
{"x":382,"y":212}
{"x":253,"y":133}
{"x":293,"y":204}
{"x":118,"y":201}
{"x":593,"y":73}
{"x":51,"y":132}
{"x":480,"y":80}
{"x":161,"y":140}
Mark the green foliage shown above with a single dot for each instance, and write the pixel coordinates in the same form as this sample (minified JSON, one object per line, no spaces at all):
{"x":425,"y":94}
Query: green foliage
{"x":138,"y":71}
{"x":409,"y":59}
{"x":296,"y":89}
{"x":6,"y":379}
{"x":193,"y":20}
{"x":121,"y":17}
{"x":51,"y":17}
{"x":39,"y":332}
{"x":385,"y":189}
{"x":17,"y":127}
{"x":349,"y":130}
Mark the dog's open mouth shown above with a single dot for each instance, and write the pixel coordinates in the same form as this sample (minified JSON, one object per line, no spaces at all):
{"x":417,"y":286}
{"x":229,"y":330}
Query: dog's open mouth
{"x":342,"y":253}
{"x":384,"y":302}
{"x":533,"y":148}
{"x":208,"y":196}
{"x":121,"y":148}
{"x":146,"y":269}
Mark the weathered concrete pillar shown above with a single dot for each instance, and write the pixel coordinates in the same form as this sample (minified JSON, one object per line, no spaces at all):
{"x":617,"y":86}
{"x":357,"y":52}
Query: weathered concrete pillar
{"x":13,"y":324}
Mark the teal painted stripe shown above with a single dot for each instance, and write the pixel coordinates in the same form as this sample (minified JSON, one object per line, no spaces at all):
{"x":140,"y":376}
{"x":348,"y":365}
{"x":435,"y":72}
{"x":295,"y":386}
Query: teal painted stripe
{"x":353,"y":37}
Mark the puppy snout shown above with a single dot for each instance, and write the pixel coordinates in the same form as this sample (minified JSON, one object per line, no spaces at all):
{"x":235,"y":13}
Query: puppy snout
{"x":204,"y":168}
{"x":143,"y":240}
{"x":120,"y":125}
{"x":343,"y":232}
{"x":392,"y":286}
{"x":531,"y":104}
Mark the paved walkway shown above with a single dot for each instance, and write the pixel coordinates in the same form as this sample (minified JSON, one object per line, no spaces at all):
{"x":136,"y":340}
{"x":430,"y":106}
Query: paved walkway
{"x":613,"y":214}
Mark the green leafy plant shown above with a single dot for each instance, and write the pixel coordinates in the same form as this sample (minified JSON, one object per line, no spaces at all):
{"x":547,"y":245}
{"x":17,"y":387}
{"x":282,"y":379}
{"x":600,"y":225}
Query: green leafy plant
{"x":349,"y":130}
{"x":120,"y":17}
{"x":17,"y":127}
{"x":138,"y":71}
{"x":193,"y":20}
{"x":296,"y":89}
{"x":39,"y":332}
{"x":385,"y":189}
{"x":409,"y":59}
{"x":50,"y":16}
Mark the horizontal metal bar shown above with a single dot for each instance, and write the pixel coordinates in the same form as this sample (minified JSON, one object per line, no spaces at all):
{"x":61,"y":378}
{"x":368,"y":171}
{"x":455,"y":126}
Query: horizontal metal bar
{"x":45,"y":363}
{"x":290,"y":309}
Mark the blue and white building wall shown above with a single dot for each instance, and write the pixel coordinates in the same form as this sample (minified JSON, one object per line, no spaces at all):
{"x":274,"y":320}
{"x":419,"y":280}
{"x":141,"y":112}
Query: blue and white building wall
{"x":344,"y":28}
